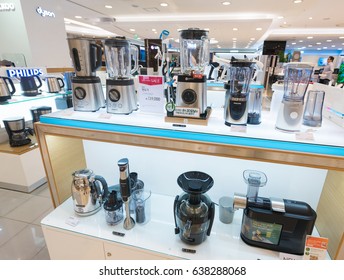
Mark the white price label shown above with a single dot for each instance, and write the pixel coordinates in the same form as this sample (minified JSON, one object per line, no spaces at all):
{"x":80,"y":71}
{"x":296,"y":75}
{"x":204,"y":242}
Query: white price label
{"x":186,"y":112}
{"x":151,"y":94}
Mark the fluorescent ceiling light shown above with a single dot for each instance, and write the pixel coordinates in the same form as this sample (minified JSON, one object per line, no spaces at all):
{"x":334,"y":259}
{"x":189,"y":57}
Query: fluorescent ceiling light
{"x":108,"y":7}
{"x":82,"y":24}
{"x":322,"y":31}
{"x":226,"y":3}
{"x":163,"y":4}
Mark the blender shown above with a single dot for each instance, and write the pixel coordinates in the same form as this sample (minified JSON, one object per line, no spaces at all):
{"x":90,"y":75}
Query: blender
{"x":237,"y":91}
{"x":120,"y":90}
{"x":86,"y":86}
{"x":193,"y":210}
{"x":191,"y":94}
{"x":296,"y":80}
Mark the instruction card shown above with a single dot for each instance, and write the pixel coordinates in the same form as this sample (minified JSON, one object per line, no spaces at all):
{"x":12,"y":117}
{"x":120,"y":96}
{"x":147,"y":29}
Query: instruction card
{"x":151,"y":94}
{"x":315,"y":248}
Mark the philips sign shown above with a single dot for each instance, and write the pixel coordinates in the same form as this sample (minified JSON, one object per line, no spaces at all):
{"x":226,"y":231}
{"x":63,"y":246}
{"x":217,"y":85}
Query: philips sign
{"x":7,"y":7}
{"x":24,"y":72}
{"x":44,"y":13}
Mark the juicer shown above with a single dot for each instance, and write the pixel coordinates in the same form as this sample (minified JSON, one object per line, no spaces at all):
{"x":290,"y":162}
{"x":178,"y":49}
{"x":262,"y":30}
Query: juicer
{"x":191,"y":94}
{"x":120,"y":90}
{"x":296,"y":80}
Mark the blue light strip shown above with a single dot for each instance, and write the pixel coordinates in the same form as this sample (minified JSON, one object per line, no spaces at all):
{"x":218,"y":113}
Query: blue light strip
{"x":202,"y":137}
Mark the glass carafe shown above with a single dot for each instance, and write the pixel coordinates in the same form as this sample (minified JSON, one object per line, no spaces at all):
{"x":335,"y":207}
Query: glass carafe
{"x":119,"y":54}
{"x":194,"y":50}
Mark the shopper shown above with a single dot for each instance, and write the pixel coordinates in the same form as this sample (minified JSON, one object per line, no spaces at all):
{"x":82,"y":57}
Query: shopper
{"x":326,"y":75}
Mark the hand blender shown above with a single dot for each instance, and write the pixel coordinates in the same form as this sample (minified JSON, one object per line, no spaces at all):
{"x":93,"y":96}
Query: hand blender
{"x":125,"y":189}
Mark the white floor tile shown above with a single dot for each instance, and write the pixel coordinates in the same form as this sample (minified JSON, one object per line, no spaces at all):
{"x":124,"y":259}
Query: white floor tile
{"x":42,"y":255}
{"x":9,"y":203}
{"x":31,"y":209}
{"x":9,"y":228}
{"x":42,"y":191}
{"x":25,"y":245}
{"x":39,"y":219}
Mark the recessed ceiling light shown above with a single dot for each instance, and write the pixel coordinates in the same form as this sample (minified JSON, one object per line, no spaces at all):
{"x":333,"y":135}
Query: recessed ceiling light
{"x":324,"y":48}
{"x":259,"y":28}
{"x":226,"y":3}
{"x":318,"y":49}
{"x":132,"y":29}
{"x":310,"y":46}
{"x":78,"y":16}
{"x":252,"y":39}
{"x":341,"y":37}
{"x":301,"y":41}
{"x":163,"y":4}
{"x":280,"y":17}
{"x":234,"y":39}
{"x":310,"y":37}
{"x":293,"y":43}
{"x":318,"y":43}
{"x":328,"y":40}
{"x":310,"y":18}
{"x":333,"y":46}
{"x":153,"y":29}
{"x":339,"y":49}
{"x":235,"y":29}
{"x":108,"y":6}
{"x":297,"y":1}
{"x":206,"y":29}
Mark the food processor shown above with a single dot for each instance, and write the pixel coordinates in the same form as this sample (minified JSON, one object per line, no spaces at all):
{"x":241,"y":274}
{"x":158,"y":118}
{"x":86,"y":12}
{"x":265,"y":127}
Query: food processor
{"x":237,"y":91}
{"x":296,"y":80}
{"x":191,"y":94}
{"x":86,"y":86}
{"x":193,"y":210}
{"x":120,"y":90}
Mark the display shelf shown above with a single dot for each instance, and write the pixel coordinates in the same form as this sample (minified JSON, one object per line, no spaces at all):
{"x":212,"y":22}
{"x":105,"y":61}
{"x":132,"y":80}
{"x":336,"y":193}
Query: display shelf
{"x":6,"y":148}
{"x":157,"y":236}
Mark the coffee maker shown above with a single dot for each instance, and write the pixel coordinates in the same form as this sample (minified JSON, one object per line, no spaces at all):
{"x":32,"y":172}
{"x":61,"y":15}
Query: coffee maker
{"x":273,"y":223}
{"x":87,"y":89}
{"x":193,"y":210}
{"x":17,"y":132}
{"x":239,"y":77}
{"x":296,"y":80}
{"x":191,"y":94}
{"x":120,"y":90}
{"x":37,"y":112}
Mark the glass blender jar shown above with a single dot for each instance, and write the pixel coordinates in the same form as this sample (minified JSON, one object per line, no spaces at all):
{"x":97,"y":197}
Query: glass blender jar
{"x":296,"y":80}
{"x":120,"y":89}
{"x":194,"y":56}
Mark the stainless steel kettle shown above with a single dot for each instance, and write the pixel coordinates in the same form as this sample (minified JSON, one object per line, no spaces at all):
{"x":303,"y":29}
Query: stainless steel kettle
{"x":88,"y":192}
{"x":54,"y":84}
{"x":5,"y":91}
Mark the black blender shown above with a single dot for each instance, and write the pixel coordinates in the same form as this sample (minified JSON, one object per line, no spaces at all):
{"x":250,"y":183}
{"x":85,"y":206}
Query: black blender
{"x":237,"y":91}
{"x":193,"y":210}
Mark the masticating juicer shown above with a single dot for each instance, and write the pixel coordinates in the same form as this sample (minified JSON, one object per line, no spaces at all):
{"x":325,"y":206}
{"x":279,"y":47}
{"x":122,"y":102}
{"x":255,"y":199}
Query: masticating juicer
{"x":272,"y":223}
{"x":120,"y":90}
{"x":193,"y":210}
{"x":194,"y":56}
{"x":296,"y":80}
{"x":86,"y":86}
{"x":237,"y":91}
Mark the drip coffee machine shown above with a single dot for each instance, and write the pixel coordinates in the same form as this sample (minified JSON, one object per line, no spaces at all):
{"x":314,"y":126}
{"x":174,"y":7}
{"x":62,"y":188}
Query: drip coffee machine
{"x":193,"y":210}
{"x":237,"y":91}
{"x":191,"y":94}
{"x":296,"y":80}
{"x":36,"y":112}
{"x":17,"y":132}
{"x":87,"y":89}
{"x":120,"y":90}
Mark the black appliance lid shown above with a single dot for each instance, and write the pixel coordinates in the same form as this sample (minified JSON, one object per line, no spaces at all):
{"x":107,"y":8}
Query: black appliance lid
{"x":112,"y":202}
{"x":241,"y":62}
{"x":195,"y":182}
{"x":120,"y":82}
{"x":193,"y":34}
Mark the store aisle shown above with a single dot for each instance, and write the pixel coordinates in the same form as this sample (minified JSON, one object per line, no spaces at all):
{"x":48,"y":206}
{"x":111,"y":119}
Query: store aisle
{"x":21,"y":236}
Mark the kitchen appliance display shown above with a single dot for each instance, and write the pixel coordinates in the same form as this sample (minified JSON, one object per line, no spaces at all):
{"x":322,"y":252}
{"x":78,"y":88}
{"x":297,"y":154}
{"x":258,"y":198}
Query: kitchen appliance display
{"x":30,"y":85}
{"x":120,"y":90}
{"x":37,"y":112}
{"x":54,"y":84}
{"x":193,"y":210}
{"x":272,"y":223}
{"x":17,"y":132}
{"x":191,"y":94}
{"x":88,"y":192}
{"x":86,"y":86}
{"x":239,"y":78}
{"x":7,"y":89}
{"x":296,"y":80}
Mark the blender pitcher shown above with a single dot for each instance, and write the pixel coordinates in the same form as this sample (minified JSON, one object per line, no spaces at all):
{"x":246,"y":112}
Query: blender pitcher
{"x":312,"y":115}
{"x":296,"y":80}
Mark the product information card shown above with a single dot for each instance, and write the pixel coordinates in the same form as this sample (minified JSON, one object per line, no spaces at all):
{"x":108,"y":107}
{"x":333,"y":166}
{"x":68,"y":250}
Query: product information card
{"x":315,"y":248}
{"x":151,"y":94}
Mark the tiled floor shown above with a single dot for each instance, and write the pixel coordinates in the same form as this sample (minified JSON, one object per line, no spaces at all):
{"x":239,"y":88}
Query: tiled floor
{"x":21,"y":236}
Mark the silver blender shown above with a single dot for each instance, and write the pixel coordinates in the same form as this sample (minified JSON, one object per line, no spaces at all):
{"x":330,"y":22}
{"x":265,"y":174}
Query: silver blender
{"x":120,"y":90}
{"x":296,"y":80}
{"x":237,"y":91}
{"x":86,"y":86}
{"x":191,"y":87}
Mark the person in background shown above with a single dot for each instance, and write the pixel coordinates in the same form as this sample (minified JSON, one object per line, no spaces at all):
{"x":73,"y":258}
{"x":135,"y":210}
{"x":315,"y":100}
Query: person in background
{"x":326,"y":75}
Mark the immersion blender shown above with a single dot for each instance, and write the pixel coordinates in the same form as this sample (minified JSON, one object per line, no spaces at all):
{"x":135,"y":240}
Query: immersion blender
{"x":125,"y":189}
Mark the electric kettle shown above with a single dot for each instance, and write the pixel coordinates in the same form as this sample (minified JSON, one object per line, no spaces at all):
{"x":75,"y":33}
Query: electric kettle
{"x":5,"y":91}
{"x":88,"y":192}
{"x":54,"y":84}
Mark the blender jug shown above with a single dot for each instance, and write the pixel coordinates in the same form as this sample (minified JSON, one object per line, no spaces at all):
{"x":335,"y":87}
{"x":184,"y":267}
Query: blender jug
{"x":312,"y":115}
{"x":194,"y":50}
{"x":119,"y":54}
{"x":296,"y":80}
{"x":255,"y":105}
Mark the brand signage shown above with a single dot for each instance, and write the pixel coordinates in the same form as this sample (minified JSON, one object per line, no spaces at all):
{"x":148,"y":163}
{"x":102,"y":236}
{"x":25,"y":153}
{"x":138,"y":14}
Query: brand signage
{"x":7,"y":7}
{"x":44,"y":13}
{"x":24,"y":72}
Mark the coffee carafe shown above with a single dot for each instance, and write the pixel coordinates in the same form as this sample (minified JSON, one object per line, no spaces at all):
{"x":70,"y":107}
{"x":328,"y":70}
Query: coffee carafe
{"x":86,"y":86}
{"x":120,"y":90}
{"x":88,"y":192}
{"x":296,"y":80}
{"x":237,"y":91}
{"x":7,"y":88}
{"x":193,"y":210}
{"x":191,"y":87}
{"x":17,"y":132}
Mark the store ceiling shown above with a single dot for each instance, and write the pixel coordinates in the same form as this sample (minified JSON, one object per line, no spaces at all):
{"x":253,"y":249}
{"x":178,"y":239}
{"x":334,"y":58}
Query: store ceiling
{"x":314,"y":25}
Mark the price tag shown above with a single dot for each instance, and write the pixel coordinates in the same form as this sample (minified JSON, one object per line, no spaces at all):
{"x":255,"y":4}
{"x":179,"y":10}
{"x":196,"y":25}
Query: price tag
{"x":307,"y":135}
{"x":151,"y":94}
{"x":239,"y":128}
{"x":72,"y":221}
{"x":315,"y":248}
{"x":186,"y":112}
{"x":105,"y":116}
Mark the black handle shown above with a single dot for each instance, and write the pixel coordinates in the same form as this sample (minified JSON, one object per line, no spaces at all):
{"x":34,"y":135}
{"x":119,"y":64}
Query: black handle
{"x":39,"y":81}
{"x":62,"y":84}
{"x":211,"y":217}
{"x":176,"y":230}
{"x":11,"y":83}
{"x":96,"y":57}
{"x":104,"y":185}
{"x":76,"y":59}
{"x":29,"y":130}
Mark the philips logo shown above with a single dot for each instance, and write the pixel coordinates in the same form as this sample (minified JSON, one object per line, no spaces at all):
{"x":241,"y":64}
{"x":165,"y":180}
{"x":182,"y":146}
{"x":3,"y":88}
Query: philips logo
{"x":44,"y":13}
{"x":24,"y":72}
{"x":7,"y":7}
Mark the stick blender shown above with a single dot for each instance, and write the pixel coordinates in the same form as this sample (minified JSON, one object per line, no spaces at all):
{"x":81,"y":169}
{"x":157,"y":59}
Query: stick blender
{"x":125,"y":189}
{"x":296,"y":79}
